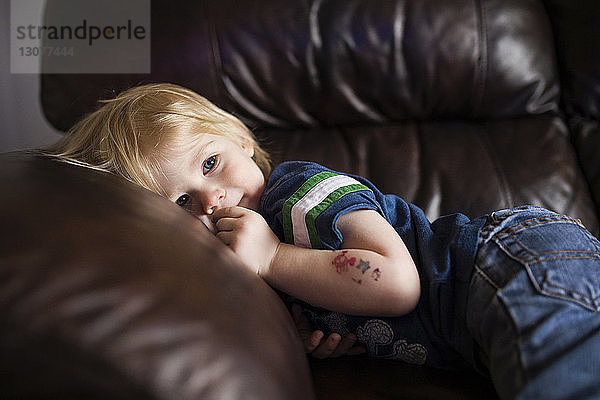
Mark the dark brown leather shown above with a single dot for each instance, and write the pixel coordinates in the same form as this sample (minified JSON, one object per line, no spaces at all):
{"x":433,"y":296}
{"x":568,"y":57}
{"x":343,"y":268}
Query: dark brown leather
{"x":576,"y":34}
{"x":315,"y":63}
{"x":368,"y":379}
{"x":455,"y":166}
{"x":110,"y":291}
{"x":455,"y":105}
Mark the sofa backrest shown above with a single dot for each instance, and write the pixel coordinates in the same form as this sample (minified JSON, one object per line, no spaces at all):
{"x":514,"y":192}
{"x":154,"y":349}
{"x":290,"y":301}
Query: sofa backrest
{"x":457,"y":106}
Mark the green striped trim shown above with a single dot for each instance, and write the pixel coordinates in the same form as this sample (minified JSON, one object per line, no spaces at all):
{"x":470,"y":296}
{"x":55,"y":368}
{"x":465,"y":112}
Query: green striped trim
{"x":311,"y":216}
{"x":314,"y":180}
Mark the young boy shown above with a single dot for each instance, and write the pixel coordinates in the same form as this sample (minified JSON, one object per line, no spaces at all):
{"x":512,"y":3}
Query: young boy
{"x":516,"y":293}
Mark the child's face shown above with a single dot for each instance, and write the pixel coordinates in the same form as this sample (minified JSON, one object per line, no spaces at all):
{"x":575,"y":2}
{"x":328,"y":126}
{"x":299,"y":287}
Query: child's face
{"x":213,"y":173}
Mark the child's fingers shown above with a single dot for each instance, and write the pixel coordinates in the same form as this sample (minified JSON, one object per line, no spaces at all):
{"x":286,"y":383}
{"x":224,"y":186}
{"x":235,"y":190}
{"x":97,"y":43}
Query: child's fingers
{"x":227,"y":237}
{"x":229,"y":218}
{"x":327,"y":347}
{"x":312,"y":341}
{"x":336,"y":346}
{"x":208,"y":223}
{"x":225,"y":224}
{"x":231,"y":212}
{"x":345,"y":345}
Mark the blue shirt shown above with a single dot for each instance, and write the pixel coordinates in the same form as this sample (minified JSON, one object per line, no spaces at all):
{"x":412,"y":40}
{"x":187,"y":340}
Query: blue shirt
{"x":302,"y":202}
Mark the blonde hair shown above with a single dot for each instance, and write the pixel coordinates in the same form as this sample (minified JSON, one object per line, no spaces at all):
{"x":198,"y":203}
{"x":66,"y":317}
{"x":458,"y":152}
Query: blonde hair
{"x":129,"y":134}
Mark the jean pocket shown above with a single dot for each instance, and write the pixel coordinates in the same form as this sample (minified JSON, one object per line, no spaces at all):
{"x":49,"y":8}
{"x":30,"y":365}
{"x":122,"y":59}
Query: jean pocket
{"x":561,"y":257}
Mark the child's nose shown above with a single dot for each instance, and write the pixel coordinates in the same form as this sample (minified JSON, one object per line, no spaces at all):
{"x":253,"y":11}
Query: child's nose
{"x":213,"y":200}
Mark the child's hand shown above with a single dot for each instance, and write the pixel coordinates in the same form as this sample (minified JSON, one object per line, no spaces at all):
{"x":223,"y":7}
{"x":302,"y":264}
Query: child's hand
{"x":248,"y":235}
{"x":317,"y":346}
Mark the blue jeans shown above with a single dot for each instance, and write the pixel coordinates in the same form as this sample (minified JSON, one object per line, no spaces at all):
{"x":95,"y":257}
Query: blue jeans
{"x":534,"y":305}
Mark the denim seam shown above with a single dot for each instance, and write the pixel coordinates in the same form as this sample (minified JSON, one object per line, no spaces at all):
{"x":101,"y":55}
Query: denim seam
{"x":521,"y":260}
{"x":510,"y":231}
{"x":487,"y":278}
{"x":539,"y":221}
{"x":565,"y":258}
{"x":488,"y":230}
{"x":568,"y":252}
{"x":588,"y":306}
{"x":510,"y":318}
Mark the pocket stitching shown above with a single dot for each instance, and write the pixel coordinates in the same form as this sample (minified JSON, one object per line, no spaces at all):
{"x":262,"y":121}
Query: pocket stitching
{"x":550,"y":284}
{"x":583,"y":300}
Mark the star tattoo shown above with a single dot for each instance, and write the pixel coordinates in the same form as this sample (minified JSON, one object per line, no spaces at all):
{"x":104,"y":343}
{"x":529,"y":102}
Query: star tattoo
{"x":363,"y":266}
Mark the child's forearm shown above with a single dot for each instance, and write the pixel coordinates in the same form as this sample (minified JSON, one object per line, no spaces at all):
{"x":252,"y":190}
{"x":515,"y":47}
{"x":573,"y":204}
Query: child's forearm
{"x":352,"y":281}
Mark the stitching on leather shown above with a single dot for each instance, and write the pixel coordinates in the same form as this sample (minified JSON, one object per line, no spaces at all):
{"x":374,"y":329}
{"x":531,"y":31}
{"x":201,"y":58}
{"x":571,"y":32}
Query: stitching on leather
{"x":482,"y":64}
{"x":503,"y":181}
{"x":216,"y":54}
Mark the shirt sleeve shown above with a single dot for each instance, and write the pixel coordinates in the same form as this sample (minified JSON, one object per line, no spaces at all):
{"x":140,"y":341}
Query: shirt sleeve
{"x":303,"y":201}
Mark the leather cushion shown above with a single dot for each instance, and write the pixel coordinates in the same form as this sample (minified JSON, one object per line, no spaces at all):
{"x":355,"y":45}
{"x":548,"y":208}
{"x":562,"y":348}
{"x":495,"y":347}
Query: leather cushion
{"x":106,"y":282}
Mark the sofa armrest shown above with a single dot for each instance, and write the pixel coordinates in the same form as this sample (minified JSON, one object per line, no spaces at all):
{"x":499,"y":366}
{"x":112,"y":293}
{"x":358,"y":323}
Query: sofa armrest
{"x":108,"y":290}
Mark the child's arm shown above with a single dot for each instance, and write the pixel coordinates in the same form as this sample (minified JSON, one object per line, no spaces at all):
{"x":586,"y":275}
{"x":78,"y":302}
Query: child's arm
{"x":373,"y":274}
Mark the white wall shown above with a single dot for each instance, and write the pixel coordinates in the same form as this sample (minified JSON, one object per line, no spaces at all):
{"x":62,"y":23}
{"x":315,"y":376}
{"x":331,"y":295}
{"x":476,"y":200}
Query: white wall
{"x":22,"y":124}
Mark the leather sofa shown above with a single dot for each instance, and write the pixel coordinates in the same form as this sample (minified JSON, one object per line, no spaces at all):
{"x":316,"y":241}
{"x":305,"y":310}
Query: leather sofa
{"x":108,"y":290}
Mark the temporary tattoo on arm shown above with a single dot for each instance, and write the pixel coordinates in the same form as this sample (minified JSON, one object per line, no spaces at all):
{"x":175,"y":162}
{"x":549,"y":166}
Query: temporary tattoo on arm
{"x":376,"y":274}
{"x":363,"y":266}
{"x":342,"y":261}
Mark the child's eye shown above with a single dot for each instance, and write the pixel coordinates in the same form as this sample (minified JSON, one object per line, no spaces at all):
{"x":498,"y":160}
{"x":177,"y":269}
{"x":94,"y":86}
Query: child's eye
{"x":182,"y":200}
{"x":209,"y":164}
